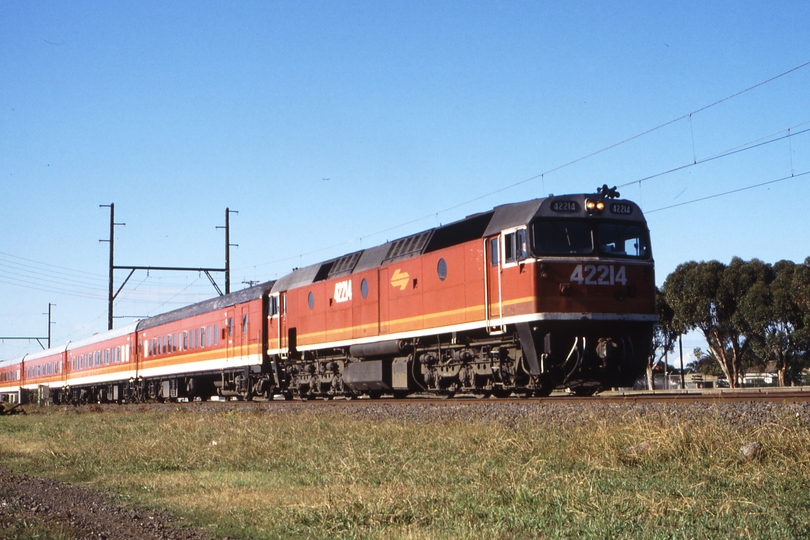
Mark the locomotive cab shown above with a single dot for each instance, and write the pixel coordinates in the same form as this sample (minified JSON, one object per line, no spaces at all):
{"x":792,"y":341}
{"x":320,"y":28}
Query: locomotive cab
{"x":594,"y":287}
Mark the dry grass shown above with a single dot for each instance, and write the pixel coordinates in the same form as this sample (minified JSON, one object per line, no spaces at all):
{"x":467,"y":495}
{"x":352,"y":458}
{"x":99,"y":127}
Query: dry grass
{"x":321,"y":474}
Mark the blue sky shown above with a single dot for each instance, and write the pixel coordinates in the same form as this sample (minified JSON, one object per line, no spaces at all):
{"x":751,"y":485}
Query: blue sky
{"x":335,"y":126}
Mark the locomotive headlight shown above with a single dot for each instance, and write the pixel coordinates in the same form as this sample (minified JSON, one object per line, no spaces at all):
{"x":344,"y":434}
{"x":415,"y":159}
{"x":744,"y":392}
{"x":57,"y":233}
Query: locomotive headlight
{"x":592,"y":206}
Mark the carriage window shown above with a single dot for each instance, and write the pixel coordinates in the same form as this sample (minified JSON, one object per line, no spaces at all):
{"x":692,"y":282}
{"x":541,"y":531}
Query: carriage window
{"x":494,"y":252}
{"x":562,"y":238}
{"x":273,"y":305}
{"x":210,"y":337}
{"x":245,"y":323}
{"x":202,"y":337}
{"x":216,"y":334}
{"x":623,"y":240}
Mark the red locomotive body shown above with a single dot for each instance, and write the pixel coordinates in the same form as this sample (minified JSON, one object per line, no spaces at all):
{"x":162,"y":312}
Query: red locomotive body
{"x":528,"y":297}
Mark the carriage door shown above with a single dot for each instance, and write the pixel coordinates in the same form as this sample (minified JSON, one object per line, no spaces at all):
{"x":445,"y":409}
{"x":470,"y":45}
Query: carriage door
{"x":493,"y":296}
{"x":228,"y":333}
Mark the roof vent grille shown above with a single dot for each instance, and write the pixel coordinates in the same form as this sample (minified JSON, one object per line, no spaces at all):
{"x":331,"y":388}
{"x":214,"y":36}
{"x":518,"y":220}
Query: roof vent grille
{"x":407,"y":246}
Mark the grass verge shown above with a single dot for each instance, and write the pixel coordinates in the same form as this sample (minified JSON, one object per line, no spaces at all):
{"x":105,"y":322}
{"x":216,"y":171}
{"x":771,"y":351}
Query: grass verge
{"x":322,"y":473}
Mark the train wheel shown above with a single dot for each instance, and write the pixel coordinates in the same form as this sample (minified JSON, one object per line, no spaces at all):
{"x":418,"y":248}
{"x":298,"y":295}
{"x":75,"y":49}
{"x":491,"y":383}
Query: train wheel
{"x":545,"y":388}
{"x":542,"y":391}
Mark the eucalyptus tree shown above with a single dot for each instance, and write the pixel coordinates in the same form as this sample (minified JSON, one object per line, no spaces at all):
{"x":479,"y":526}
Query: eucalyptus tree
{"x":704,"y":296}
{"x":773,"y":309}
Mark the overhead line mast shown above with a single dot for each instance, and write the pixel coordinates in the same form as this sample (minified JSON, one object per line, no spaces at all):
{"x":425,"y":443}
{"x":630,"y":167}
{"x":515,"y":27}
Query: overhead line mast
{"x":207,"y":271}
{"x":37,"y":338}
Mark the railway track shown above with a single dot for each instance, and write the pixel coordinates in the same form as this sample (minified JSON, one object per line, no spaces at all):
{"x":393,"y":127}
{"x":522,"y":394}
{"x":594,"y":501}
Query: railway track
{"x":774,"y":395}
{"x":794,"y":394}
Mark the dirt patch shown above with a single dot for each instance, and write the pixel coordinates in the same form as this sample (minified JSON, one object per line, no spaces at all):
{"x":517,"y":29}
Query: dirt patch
{"x":83,"y":513}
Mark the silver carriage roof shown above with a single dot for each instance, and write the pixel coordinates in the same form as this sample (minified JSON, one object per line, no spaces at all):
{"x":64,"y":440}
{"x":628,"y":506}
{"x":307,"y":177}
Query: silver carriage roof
{"x":220,"y":302}
{"x":103,"y":336}
{"x":46,"y":353}
{"x":11,"y":361}
{"x":475,"y":226}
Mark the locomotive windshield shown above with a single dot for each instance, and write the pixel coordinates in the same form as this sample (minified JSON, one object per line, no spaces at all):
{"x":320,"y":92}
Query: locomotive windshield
{"x":623,"y":240}
{"x":574,"y":237}
{"x":562,"y":238}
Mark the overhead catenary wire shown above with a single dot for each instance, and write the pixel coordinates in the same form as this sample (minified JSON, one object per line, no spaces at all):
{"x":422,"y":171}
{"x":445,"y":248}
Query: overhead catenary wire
{"x":723,"y":154}
{"x":542,"y":175}
{"x":729,"y":192}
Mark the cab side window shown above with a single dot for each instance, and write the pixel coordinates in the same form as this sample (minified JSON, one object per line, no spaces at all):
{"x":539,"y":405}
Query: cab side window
{"x":515,"y":247}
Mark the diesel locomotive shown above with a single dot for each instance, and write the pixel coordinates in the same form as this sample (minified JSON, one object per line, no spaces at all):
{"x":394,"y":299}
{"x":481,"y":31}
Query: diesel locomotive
{"x":557,"y":292}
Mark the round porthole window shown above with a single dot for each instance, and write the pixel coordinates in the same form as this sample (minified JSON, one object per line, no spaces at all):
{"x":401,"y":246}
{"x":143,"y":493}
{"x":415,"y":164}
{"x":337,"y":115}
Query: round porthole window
{"x":364,"y":287}
{"x":311,"y":300}
{"x":441,"y":269}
